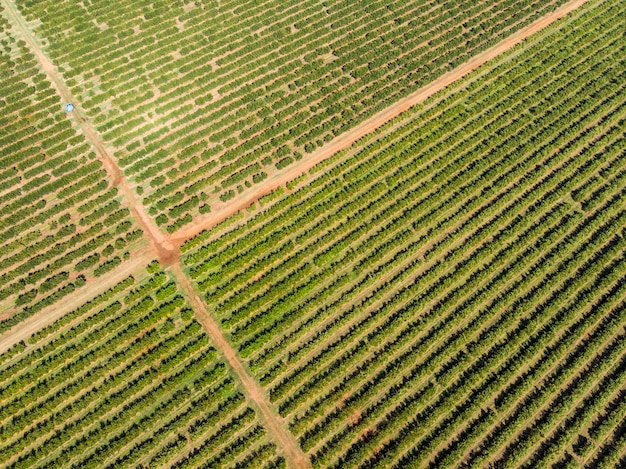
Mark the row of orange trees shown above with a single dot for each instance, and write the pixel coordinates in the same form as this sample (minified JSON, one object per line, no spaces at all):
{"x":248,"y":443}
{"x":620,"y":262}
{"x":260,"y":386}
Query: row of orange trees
{"x":127,"y":379}
{"x":453,"y":291}
{"x":60,"y":222}
{"x":204,"y":100}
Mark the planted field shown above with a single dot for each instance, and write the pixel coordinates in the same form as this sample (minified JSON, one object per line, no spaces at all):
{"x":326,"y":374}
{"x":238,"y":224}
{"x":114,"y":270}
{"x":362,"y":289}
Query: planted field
{"x":127,"y":379}
{"x":202,"y":100}
{"x":454,"y":287}
{"x":61,"y":221}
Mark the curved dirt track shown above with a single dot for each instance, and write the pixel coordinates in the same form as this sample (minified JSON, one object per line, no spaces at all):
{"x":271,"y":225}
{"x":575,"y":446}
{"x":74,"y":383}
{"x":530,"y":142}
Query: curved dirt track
{"x":222,"y":211}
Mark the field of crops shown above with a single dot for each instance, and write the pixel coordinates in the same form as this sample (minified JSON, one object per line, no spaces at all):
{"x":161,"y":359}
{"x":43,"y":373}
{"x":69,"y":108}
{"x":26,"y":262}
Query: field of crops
{"x":201,"y":100}
{"x":129,"y":378}
{"x":451,"y":290}
{"x":455,"y":290}
{"x":61,"y":222}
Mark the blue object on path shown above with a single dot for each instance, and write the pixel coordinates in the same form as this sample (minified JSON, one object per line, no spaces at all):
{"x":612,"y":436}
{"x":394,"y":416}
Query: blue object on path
{"x":69,"y":107}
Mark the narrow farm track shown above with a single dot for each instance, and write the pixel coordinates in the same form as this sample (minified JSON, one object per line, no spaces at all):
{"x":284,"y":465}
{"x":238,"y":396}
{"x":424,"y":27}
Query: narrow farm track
{"x":222,"y":211}
{"x":275,"y":425}
{"x":25,"y":329}
{"x":163,"y":247}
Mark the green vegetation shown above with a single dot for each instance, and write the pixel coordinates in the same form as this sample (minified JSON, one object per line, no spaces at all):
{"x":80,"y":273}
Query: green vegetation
{"x":449,"y":291}
{"x":59,"y":220}
{"x":128,"y":379}
{"x":455,"y":291}
{"x":203,"y":98}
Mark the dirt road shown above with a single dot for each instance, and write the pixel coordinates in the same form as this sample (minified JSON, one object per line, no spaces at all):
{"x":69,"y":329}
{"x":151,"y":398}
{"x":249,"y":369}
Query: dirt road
{"x":222,"y":211}
{"x":277,"y":429}
{"x":164,"y":248}
{"x":47,"y":316}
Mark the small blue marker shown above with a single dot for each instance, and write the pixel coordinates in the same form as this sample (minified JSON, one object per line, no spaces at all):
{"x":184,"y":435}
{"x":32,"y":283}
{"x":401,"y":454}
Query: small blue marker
{"x":69,"y":107}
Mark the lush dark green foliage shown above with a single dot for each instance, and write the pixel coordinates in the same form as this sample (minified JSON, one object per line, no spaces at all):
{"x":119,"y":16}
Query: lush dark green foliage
{"x":129,"y":378}
{"x":201,"y":98}
{"x":455,"y":290}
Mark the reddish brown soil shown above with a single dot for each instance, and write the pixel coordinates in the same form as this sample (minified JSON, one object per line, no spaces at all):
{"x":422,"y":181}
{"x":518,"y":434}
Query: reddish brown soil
{"x":165,"y":247}
{"x":24,"y":329}
{"x":222,"y":211}
{"x":277,"y":429}
{"x":161,"y":243}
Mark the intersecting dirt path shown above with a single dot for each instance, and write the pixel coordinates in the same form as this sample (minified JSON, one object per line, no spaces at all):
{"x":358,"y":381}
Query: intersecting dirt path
{"x":220,"y":212}
{"x":277,"y":429}
{"x":163,"y":247}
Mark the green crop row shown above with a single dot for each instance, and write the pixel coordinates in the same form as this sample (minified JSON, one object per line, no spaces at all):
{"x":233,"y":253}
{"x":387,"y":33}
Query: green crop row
{"x":207,"y":100}
{"x":128,"y":379}
{"x":60,"y":222}
{"x":454,"y":291}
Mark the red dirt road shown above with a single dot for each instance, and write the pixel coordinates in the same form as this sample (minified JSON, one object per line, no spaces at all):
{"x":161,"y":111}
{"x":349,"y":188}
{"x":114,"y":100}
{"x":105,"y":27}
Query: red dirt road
{"x":47,"y":316}
{"x":276,"y":427}
{"x":161,"y":243}
{"x":222,"y":211}
{"x":165,"y":247}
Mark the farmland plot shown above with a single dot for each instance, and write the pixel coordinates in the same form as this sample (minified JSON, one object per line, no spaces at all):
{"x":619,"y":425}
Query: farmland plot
{"x":455,"y":290}
{"x":202,"y":100}
{"x":129,"y":379}
{"x":61,"y":222}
